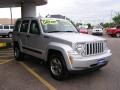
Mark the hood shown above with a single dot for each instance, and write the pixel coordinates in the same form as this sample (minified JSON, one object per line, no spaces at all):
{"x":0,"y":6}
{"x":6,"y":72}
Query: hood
{"x":97,"y":28}
{"x":75,"y":37}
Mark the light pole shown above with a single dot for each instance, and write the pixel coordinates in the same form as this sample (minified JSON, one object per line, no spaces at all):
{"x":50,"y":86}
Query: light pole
{"x":111,"y":14}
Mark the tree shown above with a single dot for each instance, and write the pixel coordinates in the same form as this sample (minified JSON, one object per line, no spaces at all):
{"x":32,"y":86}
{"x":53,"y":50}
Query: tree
{"x":102,"y":24}
{"x":108,"y":25}
{"x":116,"y":22}
{"x":116,"y":19}
{"x":89,"y":26}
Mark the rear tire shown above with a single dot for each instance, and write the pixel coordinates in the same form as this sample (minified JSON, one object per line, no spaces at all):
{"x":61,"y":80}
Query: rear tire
{"x":57,"y":66}
{"x":18,"y":54}
{"x":10,"y":35}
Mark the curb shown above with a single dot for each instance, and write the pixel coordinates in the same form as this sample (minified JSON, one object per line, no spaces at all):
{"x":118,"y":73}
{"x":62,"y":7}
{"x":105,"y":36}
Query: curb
{"x":2,"y":45}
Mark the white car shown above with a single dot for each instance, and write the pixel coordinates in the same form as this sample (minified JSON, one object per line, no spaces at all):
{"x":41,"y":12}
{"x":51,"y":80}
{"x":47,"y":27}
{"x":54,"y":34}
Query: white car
{"x":97,"y":30}
{"x":6,"y":30}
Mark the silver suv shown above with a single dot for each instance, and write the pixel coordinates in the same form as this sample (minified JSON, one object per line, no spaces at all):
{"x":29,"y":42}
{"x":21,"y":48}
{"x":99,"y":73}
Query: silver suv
{"x":58,"y":42}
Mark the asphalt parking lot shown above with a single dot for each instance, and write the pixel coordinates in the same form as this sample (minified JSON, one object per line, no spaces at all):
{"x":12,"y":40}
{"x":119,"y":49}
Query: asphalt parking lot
{"x":32,"y":74}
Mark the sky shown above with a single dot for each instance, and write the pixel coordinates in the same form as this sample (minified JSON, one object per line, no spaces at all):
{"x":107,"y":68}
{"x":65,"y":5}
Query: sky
{"x":86,"y":11}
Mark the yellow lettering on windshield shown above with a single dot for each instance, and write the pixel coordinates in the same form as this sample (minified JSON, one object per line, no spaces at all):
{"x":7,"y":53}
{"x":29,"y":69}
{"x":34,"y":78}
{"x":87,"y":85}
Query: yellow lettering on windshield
{"x":45,"y":22}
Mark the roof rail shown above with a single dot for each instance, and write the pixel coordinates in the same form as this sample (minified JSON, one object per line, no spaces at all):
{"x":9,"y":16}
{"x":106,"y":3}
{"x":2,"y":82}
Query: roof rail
{"x":29,"y":17}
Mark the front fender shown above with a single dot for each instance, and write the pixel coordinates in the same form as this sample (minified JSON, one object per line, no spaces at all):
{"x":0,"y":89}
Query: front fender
{"x":61,"y":48}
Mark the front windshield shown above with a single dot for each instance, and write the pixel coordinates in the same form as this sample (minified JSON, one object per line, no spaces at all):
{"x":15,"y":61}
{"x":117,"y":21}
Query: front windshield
{"x":95,"y":27}
{"x":51,"y":25}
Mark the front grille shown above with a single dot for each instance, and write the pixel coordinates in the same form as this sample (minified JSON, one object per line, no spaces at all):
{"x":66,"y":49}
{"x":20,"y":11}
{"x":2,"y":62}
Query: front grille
{"x":94,"y":48}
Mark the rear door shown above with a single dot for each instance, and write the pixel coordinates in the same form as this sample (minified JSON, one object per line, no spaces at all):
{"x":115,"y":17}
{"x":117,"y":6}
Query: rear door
{"x":16,"y":30}
{"x":23,"y":33}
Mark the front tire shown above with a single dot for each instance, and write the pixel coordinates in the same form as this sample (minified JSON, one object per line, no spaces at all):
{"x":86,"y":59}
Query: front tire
{"x":57,"y":67}
{"x":18,"y":54}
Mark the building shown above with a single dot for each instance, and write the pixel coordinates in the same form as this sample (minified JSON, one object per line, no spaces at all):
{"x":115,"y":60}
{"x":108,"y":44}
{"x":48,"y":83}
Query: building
{"x":7,"y":21}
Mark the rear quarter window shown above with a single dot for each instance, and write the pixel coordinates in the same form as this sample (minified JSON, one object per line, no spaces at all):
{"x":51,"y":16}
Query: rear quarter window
{"x":11,"y":27}
{"x":1,"y":26}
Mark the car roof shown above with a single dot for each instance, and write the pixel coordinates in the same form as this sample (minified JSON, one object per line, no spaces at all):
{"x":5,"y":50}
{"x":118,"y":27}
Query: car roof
{"x":27,"y":18}
{"x":53,"y":18}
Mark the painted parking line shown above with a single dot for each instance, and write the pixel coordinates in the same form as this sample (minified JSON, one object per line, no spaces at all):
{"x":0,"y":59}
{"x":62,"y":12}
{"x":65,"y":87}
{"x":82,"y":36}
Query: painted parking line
{"x":7,"y":56}
{"x":41,"y":79}
{"x":4,"y":61}
{"x":2,"y":45}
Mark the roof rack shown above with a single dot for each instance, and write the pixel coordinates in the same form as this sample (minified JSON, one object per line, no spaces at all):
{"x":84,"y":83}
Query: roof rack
{"x":29,"y":17}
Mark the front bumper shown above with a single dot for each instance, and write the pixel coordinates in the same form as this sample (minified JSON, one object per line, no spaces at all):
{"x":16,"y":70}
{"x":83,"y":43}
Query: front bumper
{"x":97,"y":33}
{"x":77,"y":63}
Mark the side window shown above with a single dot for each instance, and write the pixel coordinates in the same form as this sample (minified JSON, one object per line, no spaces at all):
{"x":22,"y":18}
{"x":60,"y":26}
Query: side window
{"x":1,"y":26}
{"x":24,"y":26}
{"x":11,"y":27}
{"x":17,"y":26}
{"x":6,"y":27}
{"x":34,"y":28}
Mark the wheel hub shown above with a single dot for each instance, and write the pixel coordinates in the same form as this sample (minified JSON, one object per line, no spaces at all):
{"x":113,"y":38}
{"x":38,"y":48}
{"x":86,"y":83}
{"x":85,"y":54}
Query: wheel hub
{"x":56,"y":66}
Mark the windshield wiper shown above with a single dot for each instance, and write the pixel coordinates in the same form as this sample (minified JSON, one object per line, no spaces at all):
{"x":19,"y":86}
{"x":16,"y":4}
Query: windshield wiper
{"x":71,"y":31}
{"x":59,"y":31}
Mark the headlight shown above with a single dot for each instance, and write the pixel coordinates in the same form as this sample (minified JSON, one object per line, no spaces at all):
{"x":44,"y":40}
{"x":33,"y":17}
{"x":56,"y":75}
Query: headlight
{"x":80,"y":47}
{"x":105,"y":46}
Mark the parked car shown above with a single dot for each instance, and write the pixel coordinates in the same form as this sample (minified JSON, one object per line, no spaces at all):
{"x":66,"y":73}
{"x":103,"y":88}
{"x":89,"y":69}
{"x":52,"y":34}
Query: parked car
{"x":6,"y":30}
{"x":97,"y":30}
{"x":60,"y":45}
{"x":114,"y":31}
{"x":83,"y":30}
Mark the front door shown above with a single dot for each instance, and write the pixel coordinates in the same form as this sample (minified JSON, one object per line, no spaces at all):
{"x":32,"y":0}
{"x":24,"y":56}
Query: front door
{"x":34,"y":39}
